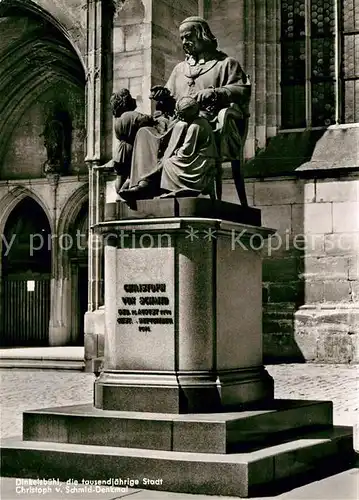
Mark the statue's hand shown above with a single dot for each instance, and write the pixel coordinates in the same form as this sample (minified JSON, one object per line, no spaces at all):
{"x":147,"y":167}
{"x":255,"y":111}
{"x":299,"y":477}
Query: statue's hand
{"x":158,"y":93}
{"x":206,"y":95}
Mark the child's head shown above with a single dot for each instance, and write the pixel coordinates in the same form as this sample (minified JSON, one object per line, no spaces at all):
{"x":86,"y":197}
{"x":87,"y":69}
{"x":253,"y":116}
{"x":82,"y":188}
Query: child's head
{"x":163,"y":99}
{"x":122,"y":101}
{"x":187,"y":109}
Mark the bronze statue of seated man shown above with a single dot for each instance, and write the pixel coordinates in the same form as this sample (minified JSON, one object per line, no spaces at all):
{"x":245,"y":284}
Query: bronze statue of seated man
{"x":218,"y":83}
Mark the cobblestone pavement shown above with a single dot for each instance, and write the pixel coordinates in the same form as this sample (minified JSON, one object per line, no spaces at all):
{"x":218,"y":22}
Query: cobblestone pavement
{"x":337,"y":383}
{"x":30,"y":389}
{"x":23,"y":389}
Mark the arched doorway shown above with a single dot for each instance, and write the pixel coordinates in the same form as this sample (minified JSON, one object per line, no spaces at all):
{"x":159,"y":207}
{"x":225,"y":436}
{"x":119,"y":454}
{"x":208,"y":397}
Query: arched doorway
{"x":79,"y":272}
{"x":26,"y":275}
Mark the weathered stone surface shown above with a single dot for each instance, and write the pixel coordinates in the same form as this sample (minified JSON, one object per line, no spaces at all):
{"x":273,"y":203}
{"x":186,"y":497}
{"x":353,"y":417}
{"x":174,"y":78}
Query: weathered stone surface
{"x":230,"y":194}
{"x":337,"y":190}
{"x":25,"y":154}
{"x":336,"y":149}
{"x":318,"y":218}
{"x":337,"y":291}
{"x":345,"y":217}
{"x":320,"y":268}
{"x":273,"y":192}
{"x":129,"y":13}
{"x":341,"y":243}
{"x":314,"y":291}
{"x":331,"y":332}
{"x":307,"y":345}
{"x":310,"y":244}
{"x":286,"y":292}
{"x":354,"y":268}
{"x":337,"y":348}
{"x":327,"y":291}
{"x":278,"y":217}
{"x":136,"y":36}
{"x":71,"y":15}
{"x":129,"y":63}
{"x":118,"y":39}
{"x":283,"y":154}
{"x":283,"y":269}
{"x":354,"y":288}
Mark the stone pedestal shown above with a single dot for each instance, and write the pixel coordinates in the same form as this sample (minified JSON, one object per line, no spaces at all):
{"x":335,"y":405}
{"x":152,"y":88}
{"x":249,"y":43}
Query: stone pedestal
{"x":183,"y":307}
{"x":183,"y":397}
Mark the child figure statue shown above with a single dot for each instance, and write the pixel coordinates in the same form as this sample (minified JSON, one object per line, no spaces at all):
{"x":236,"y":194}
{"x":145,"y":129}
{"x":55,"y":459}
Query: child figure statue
{"x":165,"y":108}
{"x":188,"y":166}
{"x":127,"y":123}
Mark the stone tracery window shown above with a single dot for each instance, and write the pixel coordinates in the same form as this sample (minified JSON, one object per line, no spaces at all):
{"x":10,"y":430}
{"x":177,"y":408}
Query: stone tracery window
{"x":350,"y":61}
{"x":320,"y":62}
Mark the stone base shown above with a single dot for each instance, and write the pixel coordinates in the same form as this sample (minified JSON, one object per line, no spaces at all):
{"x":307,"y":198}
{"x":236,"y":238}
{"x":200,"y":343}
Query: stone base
{"x":182,"y":392}
{"x":241,"y":453}
{"x":225,"y":432}
{"x":328,"y":332}
{"x":94,"y":339}
{"x":184,"y":207}
{"x":183,"y":315}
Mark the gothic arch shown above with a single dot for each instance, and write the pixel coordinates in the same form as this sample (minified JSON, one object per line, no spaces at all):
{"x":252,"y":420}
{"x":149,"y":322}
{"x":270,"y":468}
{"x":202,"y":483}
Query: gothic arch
{"x":71,"y":209}
{"x":12,"y":198}
{"x":71,"y":273}
{"x":66,"y":222}
{"x":66,"y":26}
{"x":24,"y":316}
{"x":36,"y":54}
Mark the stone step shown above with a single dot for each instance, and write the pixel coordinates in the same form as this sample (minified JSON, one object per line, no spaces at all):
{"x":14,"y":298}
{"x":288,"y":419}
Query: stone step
{"x":43,"y":364}
{"x":239,"y":474}
{"x":198,"y":433}
{"x":53,"y":358}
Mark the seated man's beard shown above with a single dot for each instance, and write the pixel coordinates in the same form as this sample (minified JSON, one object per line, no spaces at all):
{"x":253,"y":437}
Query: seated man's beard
{"x":189,"y":48}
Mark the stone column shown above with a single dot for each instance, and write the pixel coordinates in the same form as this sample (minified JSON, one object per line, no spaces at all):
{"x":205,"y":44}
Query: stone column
{"x":98,"y":87}
{"x":59,"y":324}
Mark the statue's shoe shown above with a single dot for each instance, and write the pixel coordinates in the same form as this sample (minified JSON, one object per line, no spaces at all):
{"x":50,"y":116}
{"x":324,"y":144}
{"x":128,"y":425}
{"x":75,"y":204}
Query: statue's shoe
{"x":182,"y":193}
{"x":136,"y":193}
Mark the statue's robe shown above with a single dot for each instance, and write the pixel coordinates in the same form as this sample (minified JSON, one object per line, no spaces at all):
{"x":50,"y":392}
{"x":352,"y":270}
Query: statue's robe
{"x":192,"y":165}
{"x":126,"y":127}
{"x":186,"y":80}
{"x":220,"y":71}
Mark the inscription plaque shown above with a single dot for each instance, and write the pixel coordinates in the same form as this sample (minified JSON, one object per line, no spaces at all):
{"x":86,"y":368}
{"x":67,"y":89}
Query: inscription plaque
{"x":145,"y":305}
{"x":141,"y":315}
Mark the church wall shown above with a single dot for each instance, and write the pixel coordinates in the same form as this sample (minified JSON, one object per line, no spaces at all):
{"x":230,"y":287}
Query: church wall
{"x":310,"y":268}
{"x":131,"y":49}
{"x":146,"y":45}
{"x":25,"y":152}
